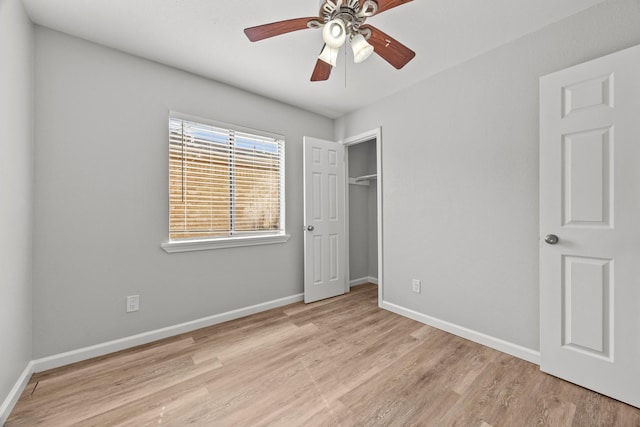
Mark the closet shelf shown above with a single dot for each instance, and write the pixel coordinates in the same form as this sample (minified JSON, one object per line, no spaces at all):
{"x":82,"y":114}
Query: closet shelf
{"x":362,"y":180}
{"x":366,"y":177}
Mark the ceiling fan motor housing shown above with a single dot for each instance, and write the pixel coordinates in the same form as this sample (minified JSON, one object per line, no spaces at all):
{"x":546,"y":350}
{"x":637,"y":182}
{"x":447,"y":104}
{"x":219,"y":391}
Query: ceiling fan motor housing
{"x":352,"y":13}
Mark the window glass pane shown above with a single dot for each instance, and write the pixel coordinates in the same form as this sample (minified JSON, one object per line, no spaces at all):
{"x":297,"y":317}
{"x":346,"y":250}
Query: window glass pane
{"x":222,"y":182}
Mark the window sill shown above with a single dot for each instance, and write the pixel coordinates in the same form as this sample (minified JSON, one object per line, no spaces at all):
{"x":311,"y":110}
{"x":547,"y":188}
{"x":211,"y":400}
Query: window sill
{"x":230,"y":242}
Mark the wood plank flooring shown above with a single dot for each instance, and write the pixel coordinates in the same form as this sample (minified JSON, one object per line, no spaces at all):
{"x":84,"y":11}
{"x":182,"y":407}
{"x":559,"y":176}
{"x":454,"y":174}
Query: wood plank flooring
{"x":338,"y":362}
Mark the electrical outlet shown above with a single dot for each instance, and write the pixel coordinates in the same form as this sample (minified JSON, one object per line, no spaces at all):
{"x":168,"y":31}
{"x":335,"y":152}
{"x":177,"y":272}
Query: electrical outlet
{"x":416,"y":286}
{"x":133,"y":303}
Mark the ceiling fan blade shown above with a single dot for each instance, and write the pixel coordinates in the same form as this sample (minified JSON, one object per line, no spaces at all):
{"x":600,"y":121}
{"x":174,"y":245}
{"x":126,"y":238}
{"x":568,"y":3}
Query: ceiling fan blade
{"x":265,"y":31}
{"x":322,"y":71}
{"x":391,"y":50}
{"x":384,"y":5}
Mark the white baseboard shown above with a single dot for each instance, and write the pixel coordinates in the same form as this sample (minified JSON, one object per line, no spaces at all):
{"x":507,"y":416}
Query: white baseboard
{"x":475,"y":336}
{"x":90,"y":352}
{"x":14,"y":394}
{"x":362,"y":281}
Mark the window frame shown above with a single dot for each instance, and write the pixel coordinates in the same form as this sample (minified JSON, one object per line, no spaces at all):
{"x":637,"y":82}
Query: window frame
{"x":241,"y":239}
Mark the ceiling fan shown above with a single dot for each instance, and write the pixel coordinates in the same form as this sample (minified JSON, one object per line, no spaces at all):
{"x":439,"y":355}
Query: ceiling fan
{"x":343,"y":20}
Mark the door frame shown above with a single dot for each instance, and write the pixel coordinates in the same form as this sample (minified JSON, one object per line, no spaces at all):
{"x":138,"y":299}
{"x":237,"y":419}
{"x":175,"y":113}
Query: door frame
{"x":347,"y":142}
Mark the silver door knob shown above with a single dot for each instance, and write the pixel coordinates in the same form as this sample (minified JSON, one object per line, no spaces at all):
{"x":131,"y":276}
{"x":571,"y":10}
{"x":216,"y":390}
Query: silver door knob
{"x":311,"y":228}
{"x":551,"y":239}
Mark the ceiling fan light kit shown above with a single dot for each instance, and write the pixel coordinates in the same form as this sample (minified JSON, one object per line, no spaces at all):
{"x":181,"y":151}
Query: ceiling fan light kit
{"x":334,"y":33}
{"x":361,"y":49}
{"x":329,"y":55}
{"x":343,"y":20}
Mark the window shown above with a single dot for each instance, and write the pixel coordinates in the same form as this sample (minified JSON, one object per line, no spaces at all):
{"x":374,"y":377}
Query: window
{"x":226,"y":186}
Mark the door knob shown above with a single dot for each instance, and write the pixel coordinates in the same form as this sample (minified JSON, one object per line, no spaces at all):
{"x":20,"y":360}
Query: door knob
{"x":551,"y":239}
{"x":311,"y":228}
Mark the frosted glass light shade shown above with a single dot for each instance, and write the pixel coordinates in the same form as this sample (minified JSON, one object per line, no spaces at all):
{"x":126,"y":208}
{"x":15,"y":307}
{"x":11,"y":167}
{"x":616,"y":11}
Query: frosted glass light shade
{"x":334,"y":33}
{"x":361,"y":48}
{"x":329,"y":55}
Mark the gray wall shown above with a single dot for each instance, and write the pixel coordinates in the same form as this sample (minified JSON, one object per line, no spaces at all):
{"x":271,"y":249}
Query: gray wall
{"x":101,"y":178}
{"x":460,"y":165}
{"x":363,"y":245}
{"x":16,"y":195}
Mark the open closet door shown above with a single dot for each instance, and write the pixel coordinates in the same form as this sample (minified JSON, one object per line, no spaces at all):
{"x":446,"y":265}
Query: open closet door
{"x":324,"y":220}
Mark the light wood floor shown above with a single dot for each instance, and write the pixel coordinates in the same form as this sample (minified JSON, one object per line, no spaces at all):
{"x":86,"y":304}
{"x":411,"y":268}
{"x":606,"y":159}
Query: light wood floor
{"x":339,"y":362}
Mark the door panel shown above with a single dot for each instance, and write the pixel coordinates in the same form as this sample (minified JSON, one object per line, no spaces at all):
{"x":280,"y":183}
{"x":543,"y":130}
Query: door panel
{"x":591,"y":93}
{"x":586,"y":171}
{"x":586,"y":294}
{"x":590,"y":199}
{"x":324,"y":212}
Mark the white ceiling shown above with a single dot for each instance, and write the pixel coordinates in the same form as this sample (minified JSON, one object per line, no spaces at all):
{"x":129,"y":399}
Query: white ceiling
{"x":205,"y":37}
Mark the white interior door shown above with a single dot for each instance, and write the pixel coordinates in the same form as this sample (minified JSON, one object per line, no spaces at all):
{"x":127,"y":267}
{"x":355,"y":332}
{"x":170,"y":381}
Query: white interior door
{"x":324,"y":220}
{"x":590,"y":200}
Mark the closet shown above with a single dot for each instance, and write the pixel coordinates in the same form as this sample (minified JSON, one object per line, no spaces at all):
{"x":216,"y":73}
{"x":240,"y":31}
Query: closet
{"x":363,"y":214}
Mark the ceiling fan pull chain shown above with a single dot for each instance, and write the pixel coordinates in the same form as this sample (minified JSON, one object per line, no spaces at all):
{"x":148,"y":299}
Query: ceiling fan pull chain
{"x":345,"y":67}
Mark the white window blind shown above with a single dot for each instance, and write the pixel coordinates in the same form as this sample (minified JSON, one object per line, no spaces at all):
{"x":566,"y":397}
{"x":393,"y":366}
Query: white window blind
{"x":223,"y":182}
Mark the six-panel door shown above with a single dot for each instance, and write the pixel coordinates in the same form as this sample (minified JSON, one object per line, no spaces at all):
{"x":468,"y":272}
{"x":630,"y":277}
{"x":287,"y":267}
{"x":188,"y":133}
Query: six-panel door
{"x":324,"y":213}
{"x":590,"y":199}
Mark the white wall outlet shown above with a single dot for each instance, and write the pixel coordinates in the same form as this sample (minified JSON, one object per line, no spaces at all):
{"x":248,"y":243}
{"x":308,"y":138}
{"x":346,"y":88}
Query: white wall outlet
{"x":133,"y":303}
{"x":416,"y":286}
